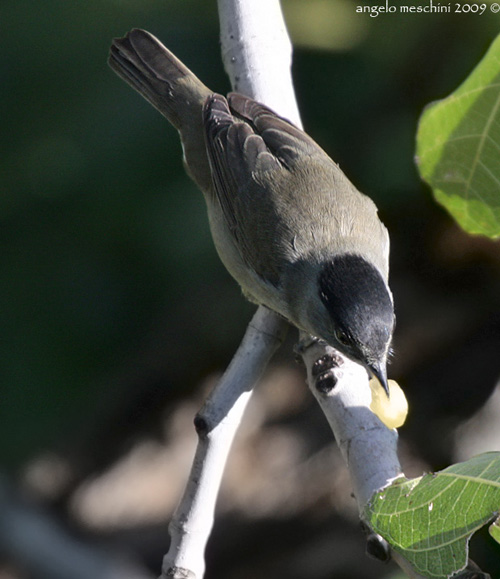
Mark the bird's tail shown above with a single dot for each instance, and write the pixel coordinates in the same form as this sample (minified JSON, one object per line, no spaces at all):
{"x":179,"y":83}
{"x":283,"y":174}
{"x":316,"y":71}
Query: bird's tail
{"x":161,"y":78}
{"x":151,"y":69}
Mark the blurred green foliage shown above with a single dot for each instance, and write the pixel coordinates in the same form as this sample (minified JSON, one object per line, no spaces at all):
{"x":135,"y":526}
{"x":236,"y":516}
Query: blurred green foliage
{"x":105,"y":246}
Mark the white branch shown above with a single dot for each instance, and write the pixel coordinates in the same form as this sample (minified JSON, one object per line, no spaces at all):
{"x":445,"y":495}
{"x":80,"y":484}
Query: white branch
{"x":257,"y":54}
{"x":368,"y":446}
{"x":216,"y":424}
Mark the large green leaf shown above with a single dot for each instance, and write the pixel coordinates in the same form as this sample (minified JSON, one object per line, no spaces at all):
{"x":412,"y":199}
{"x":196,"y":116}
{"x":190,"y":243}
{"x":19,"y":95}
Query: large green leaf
{"x":458,"y":148}
{"x":430,"y":520}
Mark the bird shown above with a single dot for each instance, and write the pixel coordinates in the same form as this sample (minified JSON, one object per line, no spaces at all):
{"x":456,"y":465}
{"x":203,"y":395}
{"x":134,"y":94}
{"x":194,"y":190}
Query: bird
{"x":287,"y":223}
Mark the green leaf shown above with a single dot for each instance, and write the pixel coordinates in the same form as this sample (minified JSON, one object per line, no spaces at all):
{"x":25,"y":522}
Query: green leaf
{"x":430,"y":520}
{"x":458,"y":148}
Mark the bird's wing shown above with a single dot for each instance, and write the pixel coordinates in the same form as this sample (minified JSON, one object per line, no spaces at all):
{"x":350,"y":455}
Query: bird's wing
{"x":253,"y":155}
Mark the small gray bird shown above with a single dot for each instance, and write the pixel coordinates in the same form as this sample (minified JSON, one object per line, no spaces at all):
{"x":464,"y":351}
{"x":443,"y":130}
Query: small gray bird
{"x":288,"y":225}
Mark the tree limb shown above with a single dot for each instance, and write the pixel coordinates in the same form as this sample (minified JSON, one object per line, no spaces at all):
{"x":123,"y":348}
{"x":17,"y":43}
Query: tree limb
{"x":257,"y":52}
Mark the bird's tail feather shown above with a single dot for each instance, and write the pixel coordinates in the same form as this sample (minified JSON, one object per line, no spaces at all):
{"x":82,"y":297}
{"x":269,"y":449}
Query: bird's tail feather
{"x":160,"y":77}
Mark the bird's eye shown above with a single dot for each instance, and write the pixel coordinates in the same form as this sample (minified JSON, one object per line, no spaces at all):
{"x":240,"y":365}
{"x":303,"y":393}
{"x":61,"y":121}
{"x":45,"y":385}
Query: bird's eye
{"x":342,"y":337}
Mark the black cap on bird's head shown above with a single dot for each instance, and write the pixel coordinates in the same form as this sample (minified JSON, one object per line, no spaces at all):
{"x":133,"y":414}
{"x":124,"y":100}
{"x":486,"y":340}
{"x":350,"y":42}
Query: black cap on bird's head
{"x":361,"y":310}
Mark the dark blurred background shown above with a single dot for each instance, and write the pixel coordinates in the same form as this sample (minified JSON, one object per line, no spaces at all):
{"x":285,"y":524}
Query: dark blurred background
{"x":117,"y":316}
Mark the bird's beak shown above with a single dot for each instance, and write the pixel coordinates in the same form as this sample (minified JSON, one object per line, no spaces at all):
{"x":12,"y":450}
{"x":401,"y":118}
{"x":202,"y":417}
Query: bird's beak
{"x":379,"y":370}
